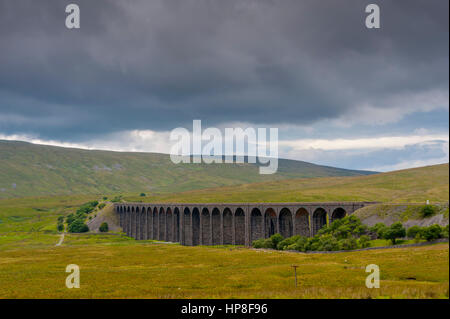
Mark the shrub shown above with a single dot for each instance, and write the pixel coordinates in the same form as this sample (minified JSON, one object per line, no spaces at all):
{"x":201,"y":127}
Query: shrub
{"x":432,"y":232}
{"x":275,"y":239}
{"x":70,"y":218}
{"x":60,"y":219}
{"x":301,"y":244}
{"x":427,"y":211}
{"x":348,"y":244}
{"x":116,"y":199}
{"x":418,"y":238}
{"x":364,"y":241}
{"x":291,"y":247}
{"x":105,"y":198}
{"x":142,"y":195}
{"x":86,"y":208}
{"x":378,"y":229}
{"x":445,"y":232}
{"x":78,"y":226}
{"x":344,"y":234}
{"x":263,"y":243}
{"x":101,"y":206}
{"x":80,"y":214}
{"x":259,"y":243}
{"x":268,"y":243}
{"x":326,"y":229}
{"x":395,"y":231}
{"x":282,"y":245}
{"x":349,"y":226}
{"x":413,"y":231}
{"x":60,"y":227}
{"x":313,"y":243}
{"x":103,"y":228}
{"x":328,"y":243}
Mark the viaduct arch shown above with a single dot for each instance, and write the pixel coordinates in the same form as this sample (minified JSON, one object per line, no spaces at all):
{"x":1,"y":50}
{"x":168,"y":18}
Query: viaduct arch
{"x":227,"y":224}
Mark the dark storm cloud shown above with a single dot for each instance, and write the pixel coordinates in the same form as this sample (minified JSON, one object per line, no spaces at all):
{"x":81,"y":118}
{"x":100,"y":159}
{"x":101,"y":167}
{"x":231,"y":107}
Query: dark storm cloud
{"x":159,"y":64}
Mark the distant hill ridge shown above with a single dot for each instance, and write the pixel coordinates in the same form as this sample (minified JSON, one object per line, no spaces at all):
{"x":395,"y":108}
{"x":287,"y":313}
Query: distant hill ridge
{"x":33,"y":170}
{"x":414,"y":185}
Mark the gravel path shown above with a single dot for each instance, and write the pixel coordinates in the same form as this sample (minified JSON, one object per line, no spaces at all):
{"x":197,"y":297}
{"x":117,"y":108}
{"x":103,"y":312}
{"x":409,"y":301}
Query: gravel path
{"x":61,"y":239}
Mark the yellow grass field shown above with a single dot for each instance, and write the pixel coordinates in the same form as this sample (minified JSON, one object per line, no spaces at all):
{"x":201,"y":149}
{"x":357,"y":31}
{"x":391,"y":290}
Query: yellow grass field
{"x":124,"y":268}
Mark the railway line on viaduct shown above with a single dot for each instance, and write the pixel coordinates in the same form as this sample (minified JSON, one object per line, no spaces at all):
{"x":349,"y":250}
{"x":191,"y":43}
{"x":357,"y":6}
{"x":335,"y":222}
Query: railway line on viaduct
{"x":222,"y":224}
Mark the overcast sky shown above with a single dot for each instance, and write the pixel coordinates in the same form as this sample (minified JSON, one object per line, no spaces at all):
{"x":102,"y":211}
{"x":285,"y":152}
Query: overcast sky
{"x":340,"y":94}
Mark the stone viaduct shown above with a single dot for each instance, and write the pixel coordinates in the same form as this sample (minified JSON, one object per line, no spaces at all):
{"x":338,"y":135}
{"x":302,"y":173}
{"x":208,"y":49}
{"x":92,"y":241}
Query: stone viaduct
{"x":222,"y":224}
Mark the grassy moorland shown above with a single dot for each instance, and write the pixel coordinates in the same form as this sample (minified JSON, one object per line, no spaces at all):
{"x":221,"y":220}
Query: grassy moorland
{"x":37,"y":170}
{"x":31,"y":222}
{"x":122,"y":268}
{"x":22,"y":218}
{"x":411,"y":185}
{"x":37,"y":214}
{"x":115,"y":266}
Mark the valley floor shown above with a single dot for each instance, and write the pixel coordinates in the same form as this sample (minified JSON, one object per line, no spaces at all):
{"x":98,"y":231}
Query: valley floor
{"x":114,"y":266}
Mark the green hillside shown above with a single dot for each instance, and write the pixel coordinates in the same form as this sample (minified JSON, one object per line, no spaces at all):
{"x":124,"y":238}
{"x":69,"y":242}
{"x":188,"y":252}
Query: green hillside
{"x":412,"y":185}
{"x":34,"y":170}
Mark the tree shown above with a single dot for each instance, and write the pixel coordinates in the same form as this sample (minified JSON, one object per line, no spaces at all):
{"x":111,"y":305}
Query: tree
{"x":93,"y":203}
{"x":259,"y":243}
{"x":432,"y":232}
{"x":282,"y":245}
{"x":378,"y":229}
{"x":329,"y":243}
{"x":445,"y":232}
{"x":348,"y":244}
{"x":103,"y":228}
{"x":349,"y":226}
{"x":78,"y":226}
{"x":413,"y":231}
{"x":87,"y":208}
{"x":142,"y":195}
{"x":301,"y":244}
{"x":116,"y":199}
{"x":70,"y":218}
{"x":275,"y":239}
{"x":313,"y":243}
{"x":427,"y":211}
{"x":60,"y":227}
{"x":395,"y":231}
{"x":364,"y":241}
